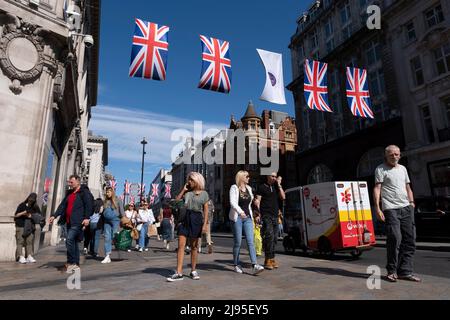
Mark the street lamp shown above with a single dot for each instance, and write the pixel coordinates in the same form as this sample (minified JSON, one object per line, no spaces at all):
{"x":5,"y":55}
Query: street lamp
{"x":143,"y":142}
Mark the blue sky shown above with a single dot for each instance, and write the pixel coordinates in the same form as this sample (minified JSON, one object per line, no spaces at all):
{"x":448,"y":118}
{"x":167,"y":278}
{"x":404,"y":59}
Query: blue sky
{"x":131,"y":108}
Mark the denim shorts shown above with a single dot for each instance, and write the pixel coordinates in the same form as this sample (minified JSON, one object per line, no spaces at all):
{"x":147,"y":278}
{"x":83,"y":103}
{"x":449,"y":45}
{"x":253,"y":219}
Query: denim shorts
{"x":192,"y":225}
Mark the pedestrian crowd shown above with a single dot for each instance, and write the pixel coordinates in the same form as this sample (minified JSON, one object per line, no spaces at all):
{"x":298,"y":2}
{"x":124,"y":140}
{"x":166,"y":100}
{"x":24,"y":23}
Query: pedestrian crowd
{"x":255,"y":213}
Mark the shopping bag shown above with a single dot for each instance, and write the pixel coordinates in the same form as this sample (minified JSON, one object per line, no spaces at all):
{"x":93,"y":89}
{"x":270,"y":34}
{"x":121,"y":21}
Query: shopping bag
{"x":152,"y":231}
{"x":123,"y":240}
{"x":257,"y":240}
{"x":135,"y":234}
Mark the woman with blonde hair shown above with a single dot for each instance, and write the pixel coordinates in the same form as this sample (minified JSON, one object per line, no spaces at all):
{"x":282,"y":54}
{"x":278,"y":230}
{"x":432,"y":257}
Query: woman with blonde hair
{"x":241,"y":217}
{"x":196,"y":204}
{"x":112,"y":213}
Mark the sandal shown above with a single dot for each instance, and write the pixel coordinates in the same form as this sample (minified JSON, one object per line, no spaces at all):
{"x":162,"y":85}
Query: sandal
{"x":410,"y":277}
{"x":392,"y":277}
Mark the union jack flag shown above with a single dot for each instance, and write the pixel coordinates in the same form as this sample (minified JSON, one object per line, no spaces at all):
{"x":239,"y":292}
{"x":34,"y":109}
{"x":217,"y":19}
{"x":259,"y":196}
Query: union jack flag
{"x":47,"y":184}
{"x":216,"y":66}
{"x":149,"y":51}
{"x":113,"y":184}
{"x":132,"y":199}
{"x":167,"y":191}
{"x":315,"y":86}
{"x":155,"y":190}
{"x":152,"y":199}
{"x":141,"y":188}
{"x":358,"y":96}
{"x":127,"y":187}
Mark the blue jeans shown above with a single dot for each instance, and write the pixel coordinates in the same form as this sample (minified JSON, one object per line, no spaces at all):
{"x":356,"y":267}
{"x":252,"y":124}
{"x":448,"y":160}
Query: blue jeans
{"x":95,"y":237}
{"x":143,"y":236}
{"x":245,"y":225}
{"x":73,"y":250}
{"x":110,"y":229}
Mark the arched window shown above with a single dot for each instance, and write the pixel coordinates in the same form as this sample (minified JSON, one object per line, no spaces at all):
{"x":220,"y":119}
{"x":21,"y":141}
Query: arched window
{"x":369,"y":161}
{"x":320,"y":173}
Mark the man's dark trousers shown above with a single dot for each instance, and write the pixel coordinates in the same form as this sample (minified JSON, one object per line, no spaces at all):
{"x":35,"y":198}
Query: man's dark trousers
{"x":269,"y":234}
{"x":401,"y":240}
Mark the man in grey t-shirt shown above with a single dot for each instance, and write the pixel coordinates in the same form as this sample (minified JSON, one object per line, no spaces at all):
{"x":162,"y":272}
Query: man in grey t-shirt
{"x":393,"y":186}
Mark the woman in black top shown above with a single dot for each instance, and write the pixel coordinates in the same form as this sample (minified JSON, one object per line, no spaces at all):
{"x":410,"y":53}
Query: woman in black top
{"x":25,"y":228}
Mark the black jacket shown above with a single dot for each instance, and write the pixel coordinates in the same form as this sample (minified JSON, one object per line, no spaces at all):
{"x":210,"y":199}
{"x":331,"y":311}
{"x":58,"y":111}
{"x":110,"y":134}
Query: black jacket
{"x":83,"y":207}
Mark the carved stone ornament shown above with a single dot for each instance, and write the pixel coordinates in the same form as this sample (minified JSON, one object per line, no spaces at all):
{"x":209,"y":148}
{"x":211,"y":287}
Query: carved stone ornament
{"x":21,"y":56}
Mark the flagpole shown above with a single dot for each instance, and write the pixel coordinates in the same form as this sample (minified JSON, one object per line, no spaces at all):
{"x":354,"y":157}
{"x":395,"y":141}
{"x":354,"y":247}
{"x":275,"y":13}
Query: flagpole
{"x":143,"y":142}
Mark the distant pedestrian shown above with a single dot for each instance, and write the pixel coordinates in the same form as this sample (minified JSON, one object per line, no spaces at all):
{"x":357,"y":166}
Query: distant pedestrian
{"x":268,"y":198}
{"x":25,"y":228}
{"x":257,"y":232}
{"x":196,"y":201}
{"x":167,"y":225}
{"x":392,"y":185}
{"x":93,"y":232}
{"x":241,"y":217}
{"x":75,"y":211}
{"x":207,"y":236}
{"x":131,"y":215}
{"x":144,"y":219}
{"x":280,"y":225}
{"x":112,"y":213}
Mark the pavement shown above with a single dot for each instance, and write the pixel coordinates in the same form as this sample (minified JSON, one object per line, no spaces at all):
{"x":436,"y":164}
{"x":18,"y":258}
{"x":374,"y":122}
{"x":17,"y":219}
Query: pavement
{"x":142,"y":276}
{"x":381,"y":242}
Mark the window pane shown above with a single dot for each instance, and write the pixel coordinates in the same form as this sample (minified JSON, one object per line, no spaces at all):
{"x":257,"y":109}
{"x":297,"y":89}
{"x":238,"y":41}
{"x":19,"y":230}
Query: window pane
{"x":441,"y":67}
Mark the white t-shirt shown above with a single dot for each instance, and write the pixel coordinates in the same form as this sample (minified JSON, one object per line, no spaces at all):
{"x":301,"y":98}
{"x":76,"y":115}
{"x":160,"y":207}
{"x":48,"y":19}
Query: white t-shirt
{"x":146,"y":216}
{"x":129,"y":214}
{"x":393,"y":186}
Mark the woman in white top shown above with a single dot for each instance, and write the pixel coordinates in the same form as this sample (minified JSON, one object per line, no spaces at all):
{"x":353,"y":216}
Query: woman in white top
{"x":241,"y":218}
{"x":131,"y":213}
{"x":144,"y":218}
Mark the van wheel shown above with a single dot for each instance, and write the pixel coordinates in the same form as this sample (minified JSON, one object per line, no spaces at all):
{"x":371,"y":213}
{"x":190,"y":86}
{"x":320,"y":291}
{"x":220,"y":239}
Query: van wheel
{"x":288,"y":245}
{"x":356,"y":253}
{"x":324,"y":246}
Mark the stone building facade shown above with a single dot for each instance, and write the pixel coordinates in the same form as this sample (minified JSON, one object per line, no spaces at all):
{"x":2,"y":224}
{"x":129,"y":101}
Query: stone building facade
{"x":96,"y":161}
{"x":419,"y":38}
{"x":408,"y":65}
{"x":338,"y":145}
{"x":48,"y":84}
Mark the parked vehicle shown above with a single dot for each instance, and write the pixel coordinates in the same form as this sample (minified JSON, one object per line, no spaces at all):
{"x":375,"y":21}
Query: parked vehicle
{"x":329,"y":217}
{"x":432,"y":216}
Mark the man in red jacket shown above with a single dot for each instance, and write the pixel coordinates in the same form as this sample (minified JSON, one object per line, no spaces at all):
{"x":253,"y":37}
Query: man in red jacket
{"x":75,"y":210}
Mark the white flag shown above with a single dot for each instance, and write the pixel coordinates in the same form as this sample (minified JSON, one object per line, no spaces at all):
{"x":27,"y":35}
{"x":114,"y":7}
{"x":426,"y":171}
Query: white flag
{"x":274,"y":88}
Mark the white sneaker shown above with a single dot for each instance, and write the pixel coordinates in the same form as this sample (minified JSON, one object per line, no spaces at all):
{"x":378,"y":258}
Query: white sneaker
{"x":136,"y":247}
{"x":129,"y":250}
{"x":22,"y":259}
{"x":194,"y":275}
{"x":175,"y":277}
{"x":107,"y":259}
{"x":257,"y":269}
{"x":140,"y":250}
{"x":167,"y":246}
{"x":238,"y":269}
{"x":72,"y":268}
{"x":146,"y":249}
{"x":85,"y":251}
{"x":30,"y":259}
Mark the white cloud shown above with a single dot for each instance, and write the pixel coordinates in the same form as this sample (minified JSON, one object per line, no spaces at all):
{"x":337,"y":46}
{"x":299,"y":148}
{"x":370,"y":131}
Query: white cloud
{"x":125,"y":128}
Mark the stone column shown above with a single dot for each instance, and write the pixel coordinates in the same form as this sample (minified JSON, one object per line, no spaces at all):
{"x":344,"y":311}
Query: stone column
{"x":26,"y":81}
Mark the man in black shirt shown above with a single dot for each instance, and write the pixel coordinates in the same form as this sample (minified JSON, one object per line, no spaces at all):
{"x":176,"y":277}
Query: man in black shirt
{"x":267,"y":201}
